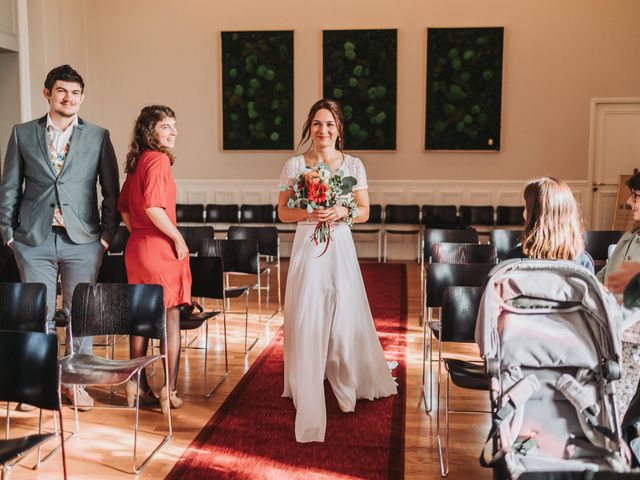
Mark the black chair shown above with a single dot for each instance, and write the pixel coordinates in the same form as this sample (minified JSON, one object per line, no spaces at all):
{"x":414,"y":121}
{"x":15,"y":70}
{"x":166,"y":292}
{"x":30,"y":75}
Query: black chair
{"x":222,"y":215}
{"x":239,"y":257}
{"x":373,"y":226}
{"x":8,"y":267}
{"x":119,"y":242}
{"x":439,"y":277}
{"x":440,"y":216}
{"x":264,"y":213}
{"x":597,"y":243}
{"x":407,"y":220}
{"x":194,"y":236}
{"x":477,"y":215}
{"x":189,"y":213}
{"x":116,"y":309}
{"x":269,"y":249}
{"x":504,"y":241}
{"x":23,"y":307}
{"x":509,"y":216}
{"x":446,"y":252}
{"x":112,"y":269}
{"x":431,"y":236}
{"x":458,"y":316}
{"x":29,"y":373}
{"x":207,"y":275}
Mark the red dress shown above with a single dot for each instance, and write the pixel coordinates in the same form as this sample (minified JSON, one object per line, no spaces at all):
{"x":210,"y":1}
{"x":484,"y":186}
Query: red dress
{"x":150,"y":255}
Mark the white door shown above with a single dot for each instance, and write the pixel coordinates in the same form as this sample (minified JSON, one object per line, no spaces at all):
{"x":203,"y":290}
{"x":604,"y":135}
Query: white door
{"x":614,"y":150}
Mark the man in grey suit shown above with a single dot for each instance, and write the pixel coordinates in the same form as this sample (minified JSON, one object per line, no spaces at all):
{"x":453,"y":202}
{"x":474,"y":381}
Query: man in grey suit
{"x":49,"y":201}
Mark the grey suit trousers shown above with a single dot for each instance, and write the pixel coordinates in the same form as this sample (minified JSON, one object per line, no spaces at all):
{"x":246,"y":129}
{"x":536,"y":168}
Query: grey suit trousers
{"x":77,"y":263}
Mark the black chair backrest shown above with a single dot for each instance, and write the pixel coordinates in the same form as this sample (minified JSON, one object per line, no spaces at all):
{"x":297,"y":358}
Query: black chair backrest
{"x":112,"y":269}
{"x":459,"y":313}
{"x":23,"y":306}
{"x":195,"y":236}
{"x":375,"y":213}
{"x":509,"y":215}
{"x":477,"y":214}
{"x":504,"y":241}
{"x":222,"y":213}
{"x":119,"y":242}
{"x":207,"y":274}
{"x":267,"y":237}
{"x":596,"y":242}
{"x":445,"y":252}
{"x":238,"y":256}
{"x":440,"y":216}
{"x":443,"y":275}
{"x":409,"y":214}
{"x":439,"y":235}
{"x":189,"y":212}
{"x":29,"y":369}
{"x":8,"y":267}
{"x":118,"y":309}
{"x":257,"y":213}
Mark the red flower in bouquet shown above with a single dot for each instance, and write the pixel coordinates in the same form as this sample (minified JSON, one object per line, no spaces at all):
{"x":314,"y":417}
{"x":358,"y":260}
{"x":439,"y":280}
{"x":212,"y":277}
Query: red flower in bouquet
{"x":317,"y":192}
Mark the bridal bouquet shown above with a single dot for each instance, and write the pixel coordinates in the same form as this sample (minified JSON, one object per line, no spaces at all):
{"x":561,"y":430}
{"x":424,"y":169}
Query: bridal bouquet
{"x":317,"y":187}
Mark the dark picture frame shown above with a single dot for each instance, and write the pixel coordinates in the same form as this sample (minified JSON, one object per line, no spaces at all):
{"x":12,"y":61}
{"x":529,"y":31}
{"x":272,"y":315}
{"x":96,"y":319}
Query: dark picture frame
{"x":360,"y":72}
{"x":257,"y":90}
{"x":464,"y":88}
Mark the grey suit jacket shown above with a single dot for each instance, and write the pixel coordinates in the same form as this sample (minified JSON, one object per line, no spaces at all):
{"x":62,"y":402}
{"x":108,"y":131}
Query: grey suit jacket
{"x":29,"y":186}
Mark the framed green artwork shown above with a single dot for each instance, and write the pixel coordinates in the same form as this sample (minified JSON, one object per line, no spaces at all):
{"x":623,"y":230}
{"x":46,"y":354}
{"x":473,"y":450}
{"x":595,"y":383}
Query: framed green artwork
{"x":464,"y":88}
{"x":257,"y":90}
{"x":359,"y":71}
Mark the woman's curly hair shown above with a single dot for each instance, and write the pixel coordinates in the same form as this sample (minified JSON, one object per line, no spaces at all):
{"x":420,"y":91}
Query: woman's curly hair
{"x":143,"y":137}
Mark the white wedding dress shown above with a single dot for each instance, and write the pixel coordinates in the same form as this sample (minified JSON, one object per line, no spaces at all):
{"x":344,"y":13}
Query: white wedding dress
{"x":328,"y":327}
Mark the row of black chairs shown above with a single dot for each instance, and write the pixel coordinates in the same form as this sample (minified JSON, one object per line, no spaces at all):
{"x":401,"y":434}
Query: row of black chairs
{"x":437,"y":216}
{"x":197,"y":239}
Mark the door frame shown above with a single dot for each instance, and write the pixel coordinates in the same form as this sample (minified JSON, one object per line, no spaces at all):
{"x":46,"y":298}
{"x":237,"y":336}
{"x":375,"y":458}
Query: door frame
{"x":593,"y":181}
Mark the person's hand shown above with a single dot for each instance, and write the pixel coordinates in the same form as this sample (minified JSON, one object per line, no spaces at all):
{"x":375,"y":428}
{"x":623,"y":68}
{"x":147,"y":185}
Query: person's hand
{"x":10,"y":244}
{"x":104,"y":244}
{"x":332,"y":214}
{"x":182,"y":251}
{"x":618,"y":281}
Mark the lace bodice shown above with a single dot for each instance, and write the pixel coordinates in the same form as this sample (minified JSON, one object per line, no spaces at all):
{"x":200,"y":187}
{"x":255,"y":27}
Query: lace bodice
{"x":351,"y":166}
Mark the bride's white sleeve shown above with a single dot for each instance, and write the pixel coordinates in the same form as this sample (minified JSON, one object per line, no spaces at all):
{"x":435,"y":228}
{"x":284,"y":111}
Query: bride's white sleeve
{"x":288,"y":174}
{"x":360,"y":175}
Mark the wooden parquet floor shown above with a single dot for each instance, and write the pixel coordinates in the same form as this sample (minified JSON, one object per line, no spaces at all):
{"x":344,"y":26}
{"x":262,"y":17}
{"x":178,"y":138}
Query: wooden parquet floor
{"x":102,"y":449}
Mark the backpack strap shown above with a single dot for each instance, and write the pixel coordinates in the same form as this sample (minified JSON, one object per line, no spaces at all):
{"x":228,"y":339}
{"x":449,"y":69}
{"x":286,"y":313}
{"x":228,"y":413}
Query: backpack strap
{"x":585,"y":402}
{"x":508,"y":420}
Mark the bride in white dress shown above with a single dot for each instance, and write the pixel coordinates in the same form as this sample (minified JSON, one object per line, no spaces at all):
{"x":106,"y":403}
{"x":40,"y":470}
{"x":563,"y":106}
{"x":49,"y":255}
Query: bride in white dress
{"x":328,"y":327}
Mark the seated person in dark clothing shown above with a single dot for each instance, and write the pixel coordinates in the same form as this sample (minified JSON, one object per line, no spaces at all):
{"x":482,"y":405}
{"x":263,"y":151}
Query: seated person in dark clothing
{"x":553,"y":224}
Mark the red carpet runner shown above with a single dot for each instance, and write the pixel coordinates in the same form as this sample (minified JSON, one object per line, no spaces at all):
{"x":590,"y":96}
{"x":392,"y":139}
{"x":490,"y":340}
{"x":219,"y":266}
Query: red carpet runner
{"x":252,"y":434}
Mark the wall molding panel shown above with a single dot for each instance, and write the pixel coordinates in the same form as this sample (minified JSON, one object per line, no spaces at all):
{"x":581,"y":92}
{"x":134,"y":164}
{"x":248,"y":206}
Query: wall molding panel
{"x":441,"y":192}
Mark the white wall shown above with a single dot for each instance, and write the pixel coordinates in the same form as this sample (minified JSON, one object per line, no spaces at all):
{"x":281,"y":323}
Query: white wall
{"x":557,"y":56}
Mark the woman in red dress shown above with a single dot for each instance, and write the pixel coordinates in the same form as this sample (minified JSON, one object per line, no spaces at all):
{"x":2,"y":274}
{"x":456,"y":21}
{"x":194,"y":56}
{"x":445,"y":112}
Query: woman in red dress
{"x":156,"y":253}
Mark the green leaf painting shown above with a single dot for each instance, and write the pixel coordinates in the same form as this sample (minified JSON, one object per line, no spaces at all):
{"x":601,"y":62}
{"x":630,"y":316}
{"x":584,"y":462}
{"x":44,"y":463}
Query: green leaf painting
{"x":257,"y":90}
{"x":359,"y":71}
{"x":464,"y":88}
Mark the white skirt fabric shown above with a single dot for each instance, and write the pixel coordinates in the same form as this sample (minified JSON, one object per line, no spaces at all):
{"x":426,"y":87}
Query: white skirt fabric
{"x":329,"y":332}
